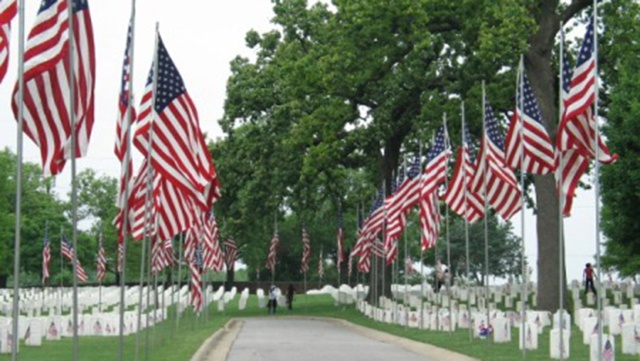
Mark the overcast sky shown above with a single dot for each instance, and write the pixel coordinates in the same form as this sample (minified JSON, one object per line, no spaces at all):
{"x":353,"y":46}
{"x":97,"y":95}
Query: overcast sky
{"x":202,"y":39}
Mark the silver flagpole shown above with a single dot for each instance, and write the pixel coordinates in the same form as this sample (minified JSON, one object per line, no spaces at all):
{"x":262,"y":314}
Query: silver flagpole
{"x":422,"y":280}
{"x":178,"y":313}
{"x":173,"y":303}
{"x":596,"y":178}
{"x":16,"y":248}
{"x":561,"y":198}
{"x":147,"y":213}
{"x":520,"y":108}
{"x":100,"y":280}
{"x":450,"y":277}
{"x":125,"y":205}
{"x":466,"y":221}
{"x":486,"y":208}
{"x":74,"y":190}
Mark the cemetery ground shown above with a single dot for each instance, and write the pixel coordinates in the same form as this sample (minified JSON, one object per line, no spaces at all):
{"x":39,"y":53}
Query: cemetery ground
{"x":170,"y":342}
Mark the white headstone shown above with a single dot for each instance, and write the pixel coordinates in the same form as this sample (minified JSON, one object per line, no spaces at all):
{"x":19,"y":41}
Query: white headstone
{"x":630,"y":339}
{"x":590,"y":328}
{"x":501,"y":330}
{"x":529,"y":338}
{"x":559,"y":349}
{"x":608,"y":348}
{"x":34,"y":335}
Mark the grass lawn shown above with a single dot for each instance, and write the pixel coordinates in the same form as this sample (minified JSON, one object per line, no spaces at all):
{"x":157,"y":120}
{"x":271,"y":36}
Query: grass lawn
{"x":191,"y":333}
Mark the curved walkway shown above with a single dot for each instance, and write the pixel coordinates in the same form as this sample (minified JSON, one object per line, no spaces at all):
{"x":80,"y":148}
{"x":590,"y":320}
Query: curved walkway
{"x":311,"y":339}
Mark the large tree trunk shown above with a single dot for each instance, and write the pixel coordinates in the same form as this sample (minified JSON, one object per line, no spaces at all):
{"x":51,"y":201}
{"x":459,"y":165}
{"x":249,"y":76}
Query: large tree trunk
{"x":538,"y":62}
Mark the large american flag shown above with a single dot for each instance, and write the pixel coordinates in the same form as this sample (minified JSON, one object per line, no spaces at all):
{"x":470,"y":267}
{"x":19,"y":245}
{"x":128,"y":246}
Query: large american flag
{"x":502,"y":189}
{"x":179,"y":152}
{"x":435,"y":174}
{"x":8,"y":10}
{"x":47,"y":82}
{"x":101,"y":261}
{"x":67,"y":252}
{"x":340,"y":254}
{"x":126,"y":116}
{"x":159,"y":258}
{"x":527,"y":133}
{"x":577,"y":130}
{"x":46,"y":257}
{"x":273,"y":248}
{"x":459,"y":195}
{"x":231,"y":252}
{"x":398,"y":206}
{"x":306,"y":250}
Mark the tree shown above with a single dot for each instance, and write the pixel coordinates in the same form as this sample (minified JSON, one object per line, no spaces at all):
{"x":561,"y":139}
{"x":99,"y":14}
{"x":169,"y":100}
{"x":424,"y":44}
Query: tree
{"x":620,"y":197}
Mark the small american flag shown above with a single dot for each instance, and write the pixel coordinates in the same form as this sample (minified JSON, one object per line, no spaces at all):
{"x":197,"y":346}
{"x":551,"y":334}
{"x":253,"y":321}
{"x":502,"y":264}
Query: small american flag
{"x":306,"y":250}
{"x":46,"y":256}
{"x":101,"y":263}
{"x":607,"y":353}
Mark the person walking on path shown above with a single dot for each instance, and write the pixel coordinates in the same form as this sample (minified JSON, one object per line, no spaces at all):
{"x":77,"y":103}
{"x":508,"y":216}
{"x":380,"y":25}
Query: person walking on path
{"x":290,"y":291}
{"x":588,"y":279}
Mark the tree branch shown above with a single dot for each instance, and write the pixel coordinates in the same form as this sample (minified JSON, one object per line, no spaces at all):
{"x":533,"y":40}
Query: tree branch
{"x":575,"y":7}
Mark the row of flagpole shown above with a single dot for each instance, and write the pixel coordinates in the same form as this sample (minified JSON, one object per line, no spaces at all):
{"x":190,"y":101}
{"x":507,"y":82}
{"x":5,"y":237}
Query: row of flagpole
{"x":146,"y":243}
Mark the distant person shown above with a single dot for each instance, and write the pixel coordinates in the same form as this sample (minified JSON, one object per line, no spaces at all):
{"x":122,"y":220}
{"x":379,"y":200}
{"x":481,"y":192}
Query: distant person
{"x":440,"y":275}
{"x":588,"y":275}
{"x":273,"y":299}
{"x":290,"y":293}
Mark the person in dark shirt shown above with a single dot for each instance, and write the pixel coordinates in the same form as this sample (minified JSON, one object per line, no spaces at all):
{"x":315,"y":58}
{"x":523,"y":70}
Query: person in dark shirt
{"x":290,"y":291}
{"x":588,"y":275}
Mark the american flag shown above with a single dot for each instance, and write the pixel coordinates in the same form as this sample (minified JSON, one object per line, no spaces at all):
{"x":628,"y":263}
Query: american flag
{"x":458,"y":195}
{"x":179,"y":152}
{"x":120,"y":256}
{"x":364,"y":260}
{"x":273,"y":248}
{"x":306,"y":250}
{"x":502,"y":189}
{"x":435,"y":173}
{"x":577,"y":130}
{"x":371,"y":226}
{"x":231,"y":252}
{"x":406,"y":196}
{"x":126,"y":116}
{"x":47,"y":80}
{"x":527,"y":132}
{"x":340,"y":255}
{"x":8,"y":10}
{"x":67,"y":252}
{"x":101,"y":261}
{"x":195,"y":268}
{"x":159,"y":258}
{"x":608,"y":353}
{"x":212,"y":252}
{"x":320,"y":266}
{"x":350,"y":265}
{"x":46,"y":257}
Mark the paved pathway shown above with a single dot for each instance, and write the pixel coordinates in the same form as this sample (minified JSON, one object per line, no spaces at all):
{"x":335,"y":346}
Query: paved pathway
{"x":277,"y":339}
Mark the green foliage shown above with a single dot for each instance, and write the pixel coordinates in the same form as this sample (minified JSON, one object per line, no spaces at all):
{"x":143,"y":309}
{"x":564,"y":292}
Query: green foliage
{"x":620,"y":182}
